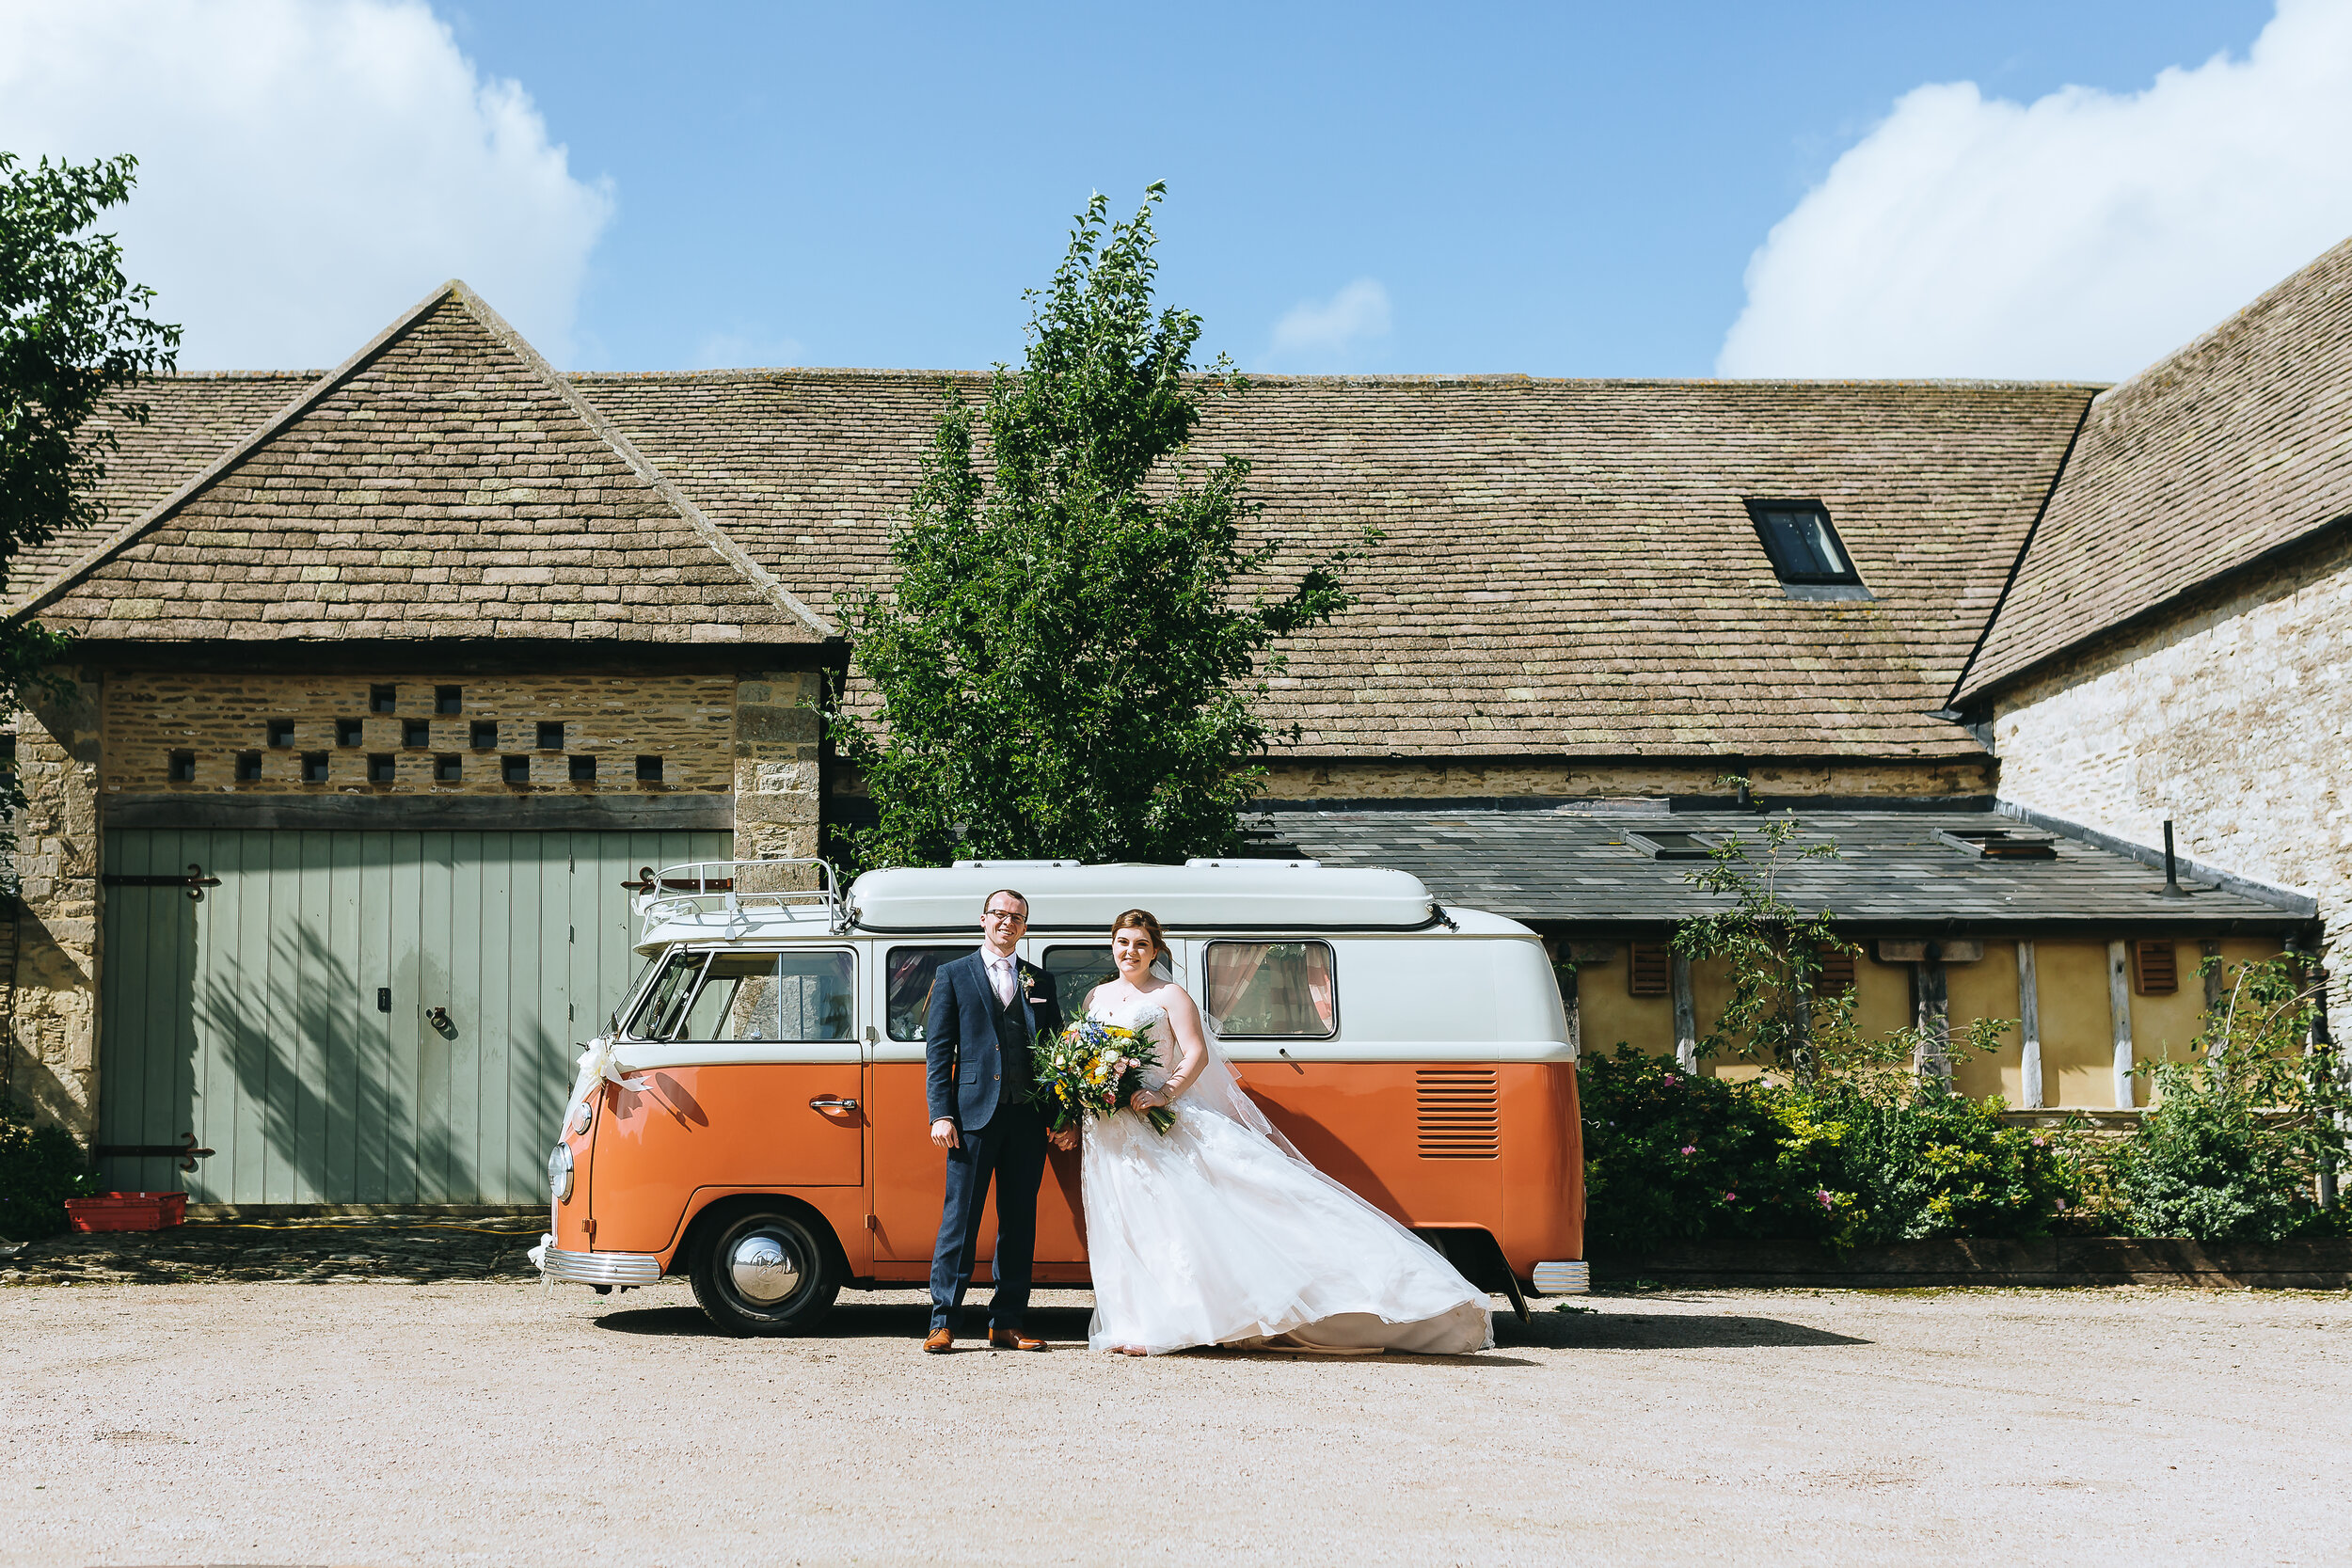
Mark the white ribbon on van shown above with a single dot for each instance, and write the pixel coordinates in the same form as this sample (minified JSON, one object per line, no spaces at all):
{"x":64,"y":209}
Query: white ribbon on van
{"x":598,"y":1065}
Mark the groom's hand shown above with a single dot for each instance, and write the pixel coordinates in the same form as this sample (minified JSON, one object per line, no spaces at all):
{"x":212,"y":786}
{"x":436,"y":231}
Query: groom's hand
{"x":1064,"y":1138}
{"x":944,"y":1134}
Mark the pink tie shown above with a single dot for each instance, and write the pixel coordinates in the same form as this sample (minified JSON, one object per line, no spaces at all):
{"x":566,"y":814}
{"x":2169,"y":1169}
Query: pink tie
{"x":1002,"y":969}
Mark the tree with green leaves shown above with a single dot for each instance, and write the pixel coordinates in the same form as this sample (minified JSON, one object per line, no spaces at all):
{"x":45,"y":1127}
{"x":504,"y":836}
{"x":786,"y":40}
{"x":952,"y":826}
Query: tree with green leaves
{"x":74,"y":337}
{"x":1072,"y":662}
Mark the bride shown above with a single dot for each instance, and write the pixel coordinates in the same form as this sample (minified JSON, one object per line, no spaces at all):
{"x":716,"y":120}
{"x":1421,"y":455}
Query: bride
{"x":1219,"y":1232}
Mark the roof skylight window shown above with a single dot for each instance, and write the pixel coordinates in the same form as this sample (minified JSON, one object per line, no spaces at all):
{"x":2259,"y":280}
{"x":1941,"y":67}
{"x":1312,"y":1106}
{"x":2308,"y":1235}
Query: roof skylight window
{"x":1803,"y":547}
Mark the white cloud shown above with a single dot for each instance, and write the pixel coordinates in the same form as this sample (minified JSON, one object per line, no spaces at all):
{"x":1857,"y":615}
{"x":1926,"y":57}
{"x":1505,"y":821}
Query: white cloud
{"x":2082,"y":235}
{"x":305,"y":171}
{"x":1323,"y":336}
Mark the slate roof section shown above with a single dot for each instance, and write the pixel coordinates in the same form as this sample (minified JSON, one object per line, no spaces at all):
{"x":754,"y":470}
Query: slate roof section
{"x":1573,"y":865}
{"x":2234,"y":446}
{"x":444,"y":483}
{"x":1568,"y":568}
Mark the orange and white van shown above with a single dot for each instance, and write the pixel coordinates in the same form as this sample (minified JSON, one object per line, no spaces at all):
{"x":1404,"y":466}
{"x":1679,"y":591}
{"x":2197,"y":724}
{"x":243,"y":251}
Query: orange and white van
{"x":755,"y":1117}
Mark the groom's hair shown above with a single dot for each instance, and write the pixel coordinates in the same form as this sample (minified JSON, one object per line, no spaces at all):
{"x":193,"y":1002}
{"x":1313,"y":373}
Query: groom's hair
{"x":1006,"y":893}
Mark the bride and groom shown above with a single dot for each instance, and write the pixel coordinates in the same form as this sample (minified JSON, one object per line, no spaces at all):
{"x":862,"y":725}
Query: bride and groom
{"x":1216,"y":1232}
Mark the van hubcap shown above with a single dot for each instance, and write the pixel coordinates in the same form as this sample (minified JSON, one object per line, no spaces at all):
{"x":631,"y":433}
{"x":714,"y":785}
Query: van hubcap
{"x":763,"y":1270}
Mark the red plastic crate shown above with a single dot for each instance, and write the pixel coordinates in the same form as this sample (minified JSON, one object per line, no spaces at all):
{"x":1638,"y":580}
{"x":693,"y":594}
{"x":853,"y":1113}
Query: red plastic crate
{"x":127,"y":1210}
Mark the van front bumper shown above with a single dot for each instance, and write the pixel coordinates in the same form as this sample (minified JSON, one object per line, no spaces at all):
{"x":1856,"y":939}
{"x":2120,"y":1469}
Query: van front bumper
{"x":1564,"y":1279}
{"x":596,"y":1268}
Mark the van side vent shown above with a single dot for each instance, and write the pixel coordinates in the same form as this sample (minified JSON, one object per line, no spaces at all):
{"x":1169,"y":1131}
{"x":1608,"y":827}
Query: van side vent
{"x":1458,"y":1113}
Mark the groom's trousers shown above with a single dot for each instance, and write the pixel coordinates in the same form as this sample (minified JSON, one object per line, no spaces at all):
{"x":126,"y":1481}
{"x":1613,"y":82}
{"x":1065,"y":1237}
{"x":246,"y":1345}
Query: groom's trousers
{"x":1011,"y":1149}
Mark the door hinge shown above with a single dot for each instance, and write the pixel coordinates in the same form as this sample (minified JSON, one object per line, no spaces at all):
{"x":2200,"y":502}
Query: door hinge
{"x":571,"y":933}
{"x":871,"y":1225}
{"x":571,"y":1012}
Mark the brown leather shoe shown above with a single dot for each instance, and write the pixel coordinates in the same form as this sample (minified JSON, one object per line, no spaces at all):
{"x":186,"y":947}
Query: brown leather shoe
{"x":1012,"y":1338}
{"x":939,"y":1341}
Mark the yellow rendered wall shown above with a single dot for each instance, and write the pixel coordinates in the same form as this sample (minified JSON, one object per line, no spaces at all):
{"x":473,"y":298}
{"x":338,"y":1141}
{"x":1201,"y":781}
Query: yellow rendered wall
{"x":1986,"y":988}
{"x":1606,"y":1015}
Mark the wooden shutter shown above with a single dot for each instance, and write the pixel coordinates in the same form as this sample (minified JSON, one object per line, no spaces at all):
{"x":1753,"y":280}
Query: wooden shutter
{"x":1647,"y":971}
{"x":1835,"y":976}
{"x":2159,"y":971}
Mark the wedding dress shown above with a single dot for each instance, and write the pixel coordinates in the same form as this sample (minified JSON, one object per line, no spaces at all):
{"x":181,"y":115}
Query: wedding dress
{"x":1219,"y":1232}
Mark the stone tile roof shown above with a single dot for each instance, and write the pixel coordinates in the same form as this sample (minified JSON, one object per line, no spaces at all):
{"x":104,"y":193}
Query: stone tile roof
{"x":1575,"y":863}
{"x":1569,"y":568}
{"x":2236,"y":445}
{"x":441,"y":484}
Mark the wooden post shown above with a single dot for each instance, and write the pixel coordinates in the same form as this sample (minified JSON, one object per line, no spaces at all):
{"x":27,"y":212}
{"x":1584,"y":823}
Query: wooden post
{"x":2030,"y":1023}
{"x":2120,"y":1014}
{"x":1686,"y":1016}
{"x":1932,"y":1014}
{"x":2217,"y":983}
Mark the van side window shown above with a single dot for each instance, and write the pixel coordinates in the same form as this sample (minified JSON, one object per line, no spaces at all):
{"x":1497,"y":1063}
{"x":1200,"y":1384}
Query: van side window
{"x":1272,"y":990}
{"x":659,"y":1015}
{"x":1078,"y":970}
{"x":907,"y":993}
{"x":773,"y":996}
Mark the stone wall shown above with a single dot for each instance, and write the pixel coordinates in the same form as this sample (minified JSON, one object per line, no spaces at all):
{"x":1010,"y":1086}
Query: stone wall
{"x":777,"y":740}
{"x":2229,"y":717}
{"x":52,"y":1046}
{"x":682,"y":722}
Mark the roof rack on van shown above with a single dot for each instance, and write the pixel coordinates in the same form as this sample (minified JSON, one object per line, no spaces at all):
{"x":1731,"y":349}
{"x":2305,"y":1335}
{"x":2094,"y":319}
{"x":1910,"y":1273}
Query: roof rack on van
{"x":730,"y":887}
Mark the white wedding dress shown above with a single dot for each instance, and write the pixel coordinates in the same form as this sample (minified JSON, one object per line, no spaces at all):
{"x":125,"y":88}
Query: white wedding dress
{"x":1219,"y":1232}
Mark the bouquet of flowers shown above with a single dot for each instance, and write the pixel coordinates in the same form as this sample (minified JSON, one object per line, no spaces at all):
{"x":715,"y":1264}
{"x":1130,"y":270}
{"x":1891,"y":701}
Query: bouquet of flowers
{"x":1090,"y":1069}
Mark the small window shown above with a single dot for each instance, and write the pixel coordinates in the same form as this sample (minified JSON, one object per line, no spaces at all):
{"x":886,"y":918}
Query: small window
{"x":550,"y":735}
{"x":382,"y":699}
{"x":908,"y":993}
{"x":449,"y":698}
{"x":2156,"y":968}
{"x":583,"y":770}
{"x":486,"y":735}
{"x":1802,"y":546}
{"x":1995,"y":843}
{"x":281,"y":732}
{"x":1664,"y":846}
{"x":417,"y":733}
{"x":1835,"y":975}
{"x":1272,"y":990}
{"x":773,"y":996}
{"x":449,"y":768}
{"x":664,"y":1006}
{"x":381,"y":767}
{"x":248,"y":767}
{"x":1078,"y":970}
{"x":1648,"y":968}
{"x":515,"y":770}
{"x":183,"y":767}
{"x":347,"y":732}
{"x":314,"y":767}
{"x":648,"y":769}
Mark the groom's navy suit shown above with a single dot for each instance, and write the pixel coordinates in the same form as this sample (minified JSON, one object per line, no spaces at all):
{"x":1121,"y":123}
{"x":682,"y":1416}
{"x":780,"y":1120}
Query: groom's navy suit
{"x":977,"y":1075}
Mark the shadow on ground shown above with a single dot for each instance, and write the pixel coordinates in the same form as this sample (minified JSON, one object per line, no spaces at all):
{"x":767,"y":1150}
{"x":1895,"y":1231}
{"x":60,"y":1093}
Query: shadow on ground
{"x":1065,"y":1327}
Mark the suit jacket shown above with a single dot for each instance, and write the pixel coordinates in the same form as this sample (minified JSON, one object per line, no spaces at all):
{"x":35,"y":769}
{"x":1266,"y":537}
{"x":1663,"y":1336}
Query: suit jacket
{"x":962,"y":1070}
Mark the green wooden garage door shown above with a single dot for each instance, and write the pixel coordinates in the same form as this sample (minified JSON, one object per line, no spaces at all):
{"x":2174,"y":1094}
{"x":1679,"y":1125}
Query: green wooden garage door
{"x":284,"y":1017}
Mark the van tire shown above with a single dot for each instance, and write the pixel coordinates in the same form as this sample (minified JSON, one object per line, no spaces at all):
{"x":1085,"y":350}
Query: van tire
{"x":809,"y":1252}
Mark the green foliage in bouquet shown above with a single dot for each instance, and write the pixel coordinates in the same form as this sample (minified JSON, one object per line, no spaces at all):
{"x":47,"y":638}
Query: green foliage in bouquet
{"x":1071,"y":662}
{"x":40,"y":1166}
{"x":2238,"y":1131}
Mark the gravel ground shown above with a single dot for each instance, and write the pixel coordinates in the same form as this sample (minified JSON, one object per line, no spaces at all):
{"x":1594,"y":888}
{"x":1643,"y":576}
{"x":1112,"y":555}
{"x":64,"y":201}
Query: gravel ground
{"x":466,"y":1423}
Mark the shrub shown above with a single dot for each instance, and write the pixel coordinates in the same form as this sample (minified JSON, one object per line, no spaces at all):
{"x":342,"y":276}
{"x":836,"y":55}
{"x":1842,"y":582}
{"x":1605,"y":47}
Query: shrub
{"x":40,"y":1166}
{"x":2238,"y":1131}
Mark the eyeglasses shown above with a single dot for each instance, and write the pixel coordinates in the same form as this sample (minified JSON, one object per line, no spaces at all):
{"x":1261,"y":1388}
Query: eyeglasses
{"x":1013,"y":915}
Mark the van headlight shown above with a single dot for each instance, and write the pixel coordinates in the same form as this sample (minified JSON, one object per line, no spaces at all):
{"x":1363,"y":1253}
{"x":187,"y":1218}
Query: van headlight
{"x":559,"y":1173}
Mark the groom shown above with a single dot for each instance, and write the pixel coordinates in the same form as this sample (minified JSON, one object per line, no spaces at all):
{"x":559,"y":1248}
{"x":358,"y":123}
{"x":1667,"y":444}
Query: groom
{"x":986,"y":1011}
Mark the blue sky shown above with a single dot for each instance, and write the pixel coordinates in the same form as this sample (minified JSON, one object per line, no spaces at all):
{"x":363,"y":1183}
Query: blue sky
{"x":1991,"y":189}
{"x":1564,"y":190}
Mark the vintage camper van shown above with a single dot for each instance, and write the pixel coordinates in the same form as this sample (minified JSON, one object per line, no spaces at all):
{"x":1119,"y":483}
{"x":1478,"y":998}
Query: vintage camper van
{"x":753,"y":1118}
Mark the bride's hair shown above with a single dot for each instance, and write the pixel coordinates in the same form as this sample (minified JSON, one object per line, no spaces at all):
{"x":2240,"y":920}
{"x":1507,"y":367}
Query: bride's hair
{"x":1145,"y":921}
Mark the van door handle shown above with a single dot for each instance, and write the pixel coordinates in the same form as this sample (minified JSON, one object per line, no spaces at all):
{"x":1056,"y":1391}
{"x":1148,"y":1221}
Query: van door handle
{"x":829,"y":1105}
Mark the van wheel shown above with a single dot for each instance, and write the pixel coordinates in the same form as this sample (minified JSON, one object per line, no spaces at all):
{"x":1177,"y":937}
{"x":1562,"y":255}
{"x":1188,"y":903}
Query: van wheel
{"x":765,"y":1271}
